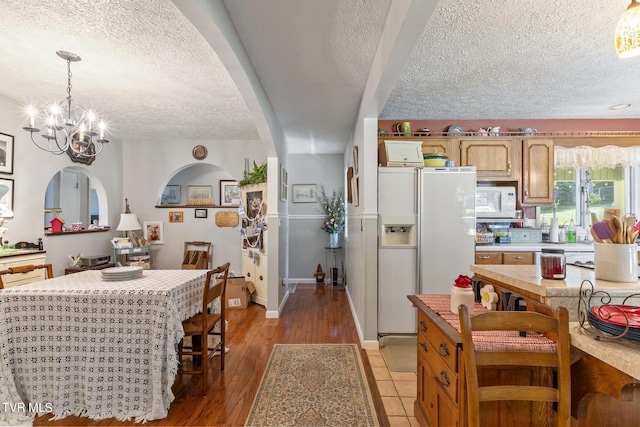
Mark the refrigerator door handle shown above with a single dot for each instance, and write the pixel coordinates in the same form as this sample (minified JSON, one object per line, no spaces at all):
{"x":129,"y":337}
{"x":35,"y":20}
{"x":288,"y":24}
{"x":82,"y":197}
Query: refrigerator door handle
{"x":418,"y":210}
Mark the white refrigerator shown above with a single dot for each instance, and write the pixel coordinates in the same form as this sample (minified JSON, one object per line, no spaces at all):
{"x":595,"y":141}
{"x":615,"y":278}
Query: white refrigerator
{"x":426,"y":237}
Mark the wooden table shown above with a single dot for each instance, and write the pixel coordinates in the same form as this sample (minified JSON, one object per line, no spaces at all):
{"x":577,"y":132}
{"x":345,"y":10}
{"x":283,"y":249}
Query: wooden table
{"x":78,"y":345}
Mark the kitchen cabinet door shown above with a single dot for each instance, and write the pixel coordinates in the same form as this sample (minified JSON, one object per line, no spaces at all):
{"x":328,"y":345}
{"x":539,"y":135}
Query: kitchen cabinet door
{"x":519,"y":258}
{"x":493,"y":158}
{"x":488,"y":257}
{"x":537,"y":172}
{"x":254,"y":269}
{"x":442,"y":145}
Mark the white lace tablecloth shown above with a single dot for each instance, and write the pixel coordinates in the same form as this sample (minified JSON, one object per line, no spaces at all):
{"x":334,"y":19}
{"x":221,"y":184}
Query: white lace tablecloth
{"x":78,"y":345}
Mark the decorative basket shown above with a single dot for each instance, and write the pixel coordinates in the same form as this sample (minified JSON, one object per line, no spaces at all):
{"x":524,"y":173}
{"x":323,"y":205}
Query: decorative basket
{"x":485,"y":238}
{"x":227,"y":219}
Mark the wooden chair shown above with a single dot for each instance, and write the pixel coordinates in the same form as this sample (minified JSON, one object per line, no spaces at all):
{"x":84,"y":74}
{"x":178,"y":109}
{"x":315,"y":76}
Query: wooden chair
{"x":556,"y":328}
{"x":198,"y":258}
{"x":26,"y":269}
{"x":201,"y":326}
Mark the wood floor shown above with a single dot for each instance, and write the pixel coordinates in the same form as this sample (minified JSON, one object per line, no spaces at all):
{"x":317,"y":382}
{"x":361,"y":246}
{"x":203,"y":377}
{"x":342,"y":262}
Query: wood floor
{"x":313,"y":314}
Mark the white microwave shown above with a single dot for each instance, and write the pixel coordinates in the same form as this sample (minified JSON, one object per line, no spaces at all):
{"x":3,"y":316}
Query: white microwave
{"x":495,"y":202}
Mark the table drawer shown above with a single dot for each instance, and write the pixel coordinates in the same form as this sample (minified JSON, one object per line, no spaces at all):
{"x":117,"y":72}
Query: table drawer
{"x":445,"y":349}
{"x":488,"y":257}
{"x":443,"y":375}
{"x":423,"y":324}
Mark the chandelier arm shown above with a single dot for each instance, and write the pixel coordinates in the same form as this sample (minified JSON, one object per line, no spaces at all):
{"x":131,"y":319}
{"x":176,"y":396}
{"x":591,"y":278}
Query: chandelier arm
{"x":42,"y":148}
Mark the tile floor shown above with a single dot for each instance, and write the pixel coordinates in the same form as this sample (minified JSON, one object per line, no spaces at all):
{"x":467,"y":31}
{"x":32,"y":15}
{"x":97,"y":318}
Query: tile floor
{"x":397,"y":389}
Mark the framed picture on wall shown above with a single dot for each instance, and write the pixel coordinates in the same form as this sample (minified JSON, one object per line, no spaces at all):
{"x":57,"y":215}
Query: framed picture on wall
{"x":6,"y":153}
{"x":177,"y":216}
{"x":304,"y":193}
{"x":200,"y":195}
{"x":201,"y":213}
{"x":229,"y":192}
{"x":153,"y":232}
{"x":171,"y":195}
{"x":6,"y":194}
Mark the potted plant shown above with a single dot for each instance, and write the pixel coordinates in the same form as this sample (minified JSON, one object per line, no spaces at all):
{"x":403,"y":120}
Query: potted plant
{"x":334,"y":210}
{"x":257,"y":176}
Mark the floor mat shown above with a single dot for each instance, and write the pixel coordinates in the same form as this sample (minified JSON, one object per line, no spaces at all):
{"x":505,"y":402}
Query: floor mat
{"x":400,"y":353}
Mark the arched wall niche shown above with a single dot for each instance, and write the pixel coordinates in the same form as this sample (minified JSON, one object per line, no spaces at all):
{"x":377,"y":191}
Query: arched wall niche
{"x":195,"y":174}
{"x":79,"y":195}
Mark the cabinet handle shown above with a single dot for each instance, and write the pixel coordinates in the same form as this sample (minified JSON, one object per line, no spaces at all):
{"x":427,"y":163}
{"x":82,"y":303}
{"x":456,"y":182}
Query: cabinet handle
{"x":444,"y":350}
{"x":424,"y":347}
{"x":517,"y":257}
{"x":261,"y":278}
{"x":483,"y":257}
{"x":509,"y":167}
{"x":248,"y":274}
{"x":444,"y":379}
{"x":526,"y":193}
{"x":423,"y":326}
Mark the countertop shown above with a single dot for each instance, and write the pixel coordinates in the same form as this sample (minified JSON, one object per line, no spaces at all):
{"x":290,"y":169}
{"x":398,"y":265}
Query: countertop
{"x":528,"y":278}
{"x":4,"y":253}
{"x":535,"y":247}
{"x":621,"y":355}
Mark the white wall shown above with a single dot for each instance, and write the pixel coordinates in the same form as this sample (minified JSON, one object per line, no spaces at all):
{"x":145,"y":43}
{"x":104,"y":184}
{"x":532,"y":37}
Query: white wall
{"x":149,"y":166}
{"x":306,"y":239}
{"x":34,"y":168}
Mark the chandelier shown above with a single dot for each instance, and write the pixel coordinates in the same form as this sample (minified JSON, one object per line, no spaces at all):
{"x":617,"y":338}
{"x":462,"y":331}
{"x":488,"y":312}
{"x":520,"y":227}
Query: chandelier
{"x":69,"y":129}
{"x":627,"y":35}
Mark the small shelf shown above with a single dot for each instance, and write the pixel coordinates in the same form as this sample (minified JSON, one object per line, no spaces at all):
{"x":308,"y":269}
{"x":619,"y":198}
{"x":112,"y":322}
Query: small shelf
{"x":196,"y":206}
{"x":64,"y":233}
{"x":499,"y":220}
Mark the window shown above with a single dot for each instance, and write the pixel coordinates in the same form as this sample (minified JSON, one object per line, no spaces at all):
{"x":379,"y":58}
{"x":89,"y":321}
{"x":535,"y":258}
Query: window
{"x":581,"y":192}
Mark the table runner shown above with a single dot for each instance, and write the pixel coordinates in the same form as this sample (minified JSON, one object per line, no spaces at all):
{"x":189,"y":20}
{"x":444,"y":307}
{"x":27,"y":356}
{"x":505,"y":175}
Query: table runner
{"x":77,"y":345}
{"x":489,"y":340}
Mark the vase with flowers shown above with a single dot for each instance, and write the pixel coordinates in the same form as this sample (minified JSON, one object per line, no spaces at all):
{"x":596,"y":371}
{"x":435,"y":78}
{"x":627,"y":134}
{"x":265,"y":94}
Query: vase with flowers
{"x":334,"y":211}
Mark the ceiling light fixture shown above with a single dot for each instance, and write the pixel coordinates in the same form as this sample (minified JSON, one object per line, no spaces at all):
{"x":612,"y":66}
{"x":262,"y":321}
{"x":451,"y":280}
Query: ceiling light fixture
{"x":619,"y":106}
{"x":627,"y":36}
{"x":78,"y":126}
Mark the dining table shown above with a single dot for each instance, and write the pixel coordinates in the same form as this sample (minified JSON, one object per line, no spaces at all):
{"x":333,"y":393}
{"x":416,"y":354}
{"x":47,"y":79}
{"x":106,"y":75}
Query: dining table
{"x":83,"y":345}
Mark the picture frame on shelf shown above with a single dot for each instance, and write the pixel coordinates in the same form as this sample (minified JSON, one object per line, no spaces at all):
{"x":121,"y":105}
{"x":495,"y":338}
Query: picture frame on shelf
{"x":229,"y":193}
{"x":171,"y":195}
{"x":176,"y":216}
{"x":6,"y":153}
{"x":304,"y":193}
{"x":6,"y":193}
{"x":153,"y":232}
{"x":200,"y":195}
{"x":201,"y":213}
{"x":255,"y":201}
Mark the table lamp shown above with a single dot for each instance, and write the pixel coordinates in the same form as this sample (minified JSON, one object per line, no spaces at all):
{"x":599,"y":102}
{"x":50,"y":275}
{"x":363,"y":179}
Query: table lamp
{"x":128,"y":221}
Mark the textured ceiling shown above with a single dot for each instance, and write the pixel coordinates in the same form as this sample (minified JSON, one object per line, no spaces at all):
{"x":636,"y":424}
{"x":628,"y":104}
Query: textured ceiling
{"x":153,"y":75}
{"x":517,"y":59}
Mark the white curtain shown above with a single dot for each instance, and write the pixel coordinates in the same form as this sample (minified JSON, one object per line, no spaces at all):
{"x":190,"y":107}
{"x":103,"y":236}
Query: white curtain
{"x":597,"y":157}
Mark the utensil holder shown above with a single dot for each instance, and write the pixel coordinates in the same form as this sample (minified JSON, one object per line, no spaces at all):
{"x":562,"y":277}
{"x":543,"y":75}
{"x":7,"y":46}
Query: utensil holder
{"x":616,"y":262}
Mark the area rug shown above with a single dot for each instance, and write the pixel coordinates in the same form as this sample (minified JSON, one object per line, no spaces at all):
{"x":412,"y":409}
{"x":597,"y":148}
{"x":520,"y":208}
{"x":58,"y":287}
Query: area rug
{"x":400,"y":353}
{"x":313,"y":385}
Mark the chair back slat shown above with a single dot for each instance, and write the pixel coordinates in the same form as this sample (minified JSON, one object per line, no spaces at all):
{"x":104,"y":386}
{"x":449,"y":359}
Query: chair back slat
{"x":27,"y":269}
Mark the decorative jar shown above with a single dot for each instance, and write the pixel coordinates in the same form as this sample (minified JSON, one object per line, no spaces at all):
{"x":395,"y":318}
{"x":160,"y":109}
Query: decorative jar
{"x":462,"y":293}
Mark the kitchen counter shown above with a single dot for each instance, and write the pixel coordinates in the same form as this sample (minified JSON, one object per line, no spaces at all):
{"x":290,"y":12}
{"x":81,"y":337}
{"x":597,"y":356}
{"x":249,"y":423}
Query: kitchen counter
{"x":525,"y":280}
{"x":534,"y":247}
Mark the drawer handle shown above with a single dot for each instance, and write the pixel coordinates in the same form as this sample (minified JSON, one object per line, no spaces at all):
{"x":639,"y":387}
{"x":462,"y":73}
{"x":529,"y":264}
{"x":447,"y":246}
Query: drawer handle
{"x":261,"y":278}
{"x":424,"y":347}
{"x":518,"y":257}
{"x":248,"y":274}
{"x":444,"y":350}
{"x":483,"y":257}
{"x":444,"y":379}
{"x":423,"y":326}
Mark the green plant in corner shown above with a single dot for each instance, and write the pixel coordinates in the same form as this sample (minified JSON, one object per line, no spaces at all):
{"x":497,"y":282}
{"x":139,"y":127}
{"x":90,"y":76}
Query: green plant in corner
{"x":256,"y":176}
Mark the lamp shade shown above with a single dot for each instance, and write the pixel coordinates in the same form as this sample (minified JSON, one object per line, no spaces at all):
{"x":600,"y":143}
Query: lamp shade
{"x":627,"y":36}
{"x":128,"y":222}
